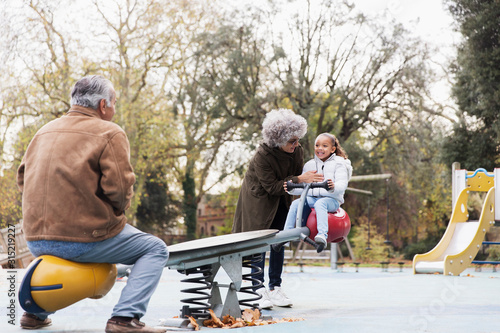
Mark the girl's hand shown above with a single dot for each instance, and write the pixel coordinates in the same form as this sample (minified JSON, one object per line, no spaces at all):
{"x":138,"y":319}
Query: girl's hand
{"x":284,"y":186}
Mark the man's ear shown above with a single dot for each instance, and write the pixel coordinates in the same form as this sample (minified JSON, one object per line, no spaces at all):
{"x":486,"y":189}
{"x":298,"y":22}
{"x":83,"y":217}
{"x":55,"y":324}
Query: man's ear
{"x":102,"y":107}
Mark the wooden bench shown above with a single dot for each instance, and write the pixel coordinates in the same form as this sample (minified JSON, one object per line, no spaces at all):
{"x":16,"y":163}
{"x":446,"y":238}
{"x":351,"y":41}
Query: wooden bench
{"x":357,"y":266}
{"x":401,"y":264}
{"x":310,"y":256}
{"x":14,"y":252}
{"x":385,"y":266}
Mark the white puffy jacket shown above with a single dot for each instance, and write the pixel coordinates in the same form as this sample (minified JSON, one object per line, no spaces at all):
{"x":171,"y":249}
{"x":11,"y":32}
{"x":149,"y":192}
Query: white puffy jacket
{"x":335,"y":168}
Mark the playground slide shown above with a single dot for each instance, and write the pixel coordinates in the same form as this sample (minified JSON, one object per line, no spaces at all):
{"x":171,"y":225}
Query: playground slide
{"x":461,"y":241}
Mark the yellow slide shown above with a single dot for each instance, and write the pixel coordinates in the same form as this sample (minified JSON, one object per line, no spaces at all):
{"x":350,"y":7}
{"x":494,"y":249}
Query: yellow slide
{"x":462,"y":239}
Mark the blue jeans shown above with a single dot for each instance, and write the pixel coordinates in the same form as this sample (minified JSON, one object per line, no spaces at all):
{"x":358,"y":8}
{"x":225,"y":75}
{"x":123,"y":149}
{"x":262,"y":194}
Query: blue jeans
{"x":276,"y":260}
{"x":131,"y":246}
{"x":322,"y":206}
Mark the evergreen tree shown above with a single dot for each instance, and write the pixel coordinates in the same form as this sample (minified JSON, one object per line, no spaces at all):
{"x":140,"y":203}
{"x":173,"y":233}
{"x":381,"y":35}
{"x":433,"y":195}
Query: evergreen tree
{"x":158,"y":210}
{"x":476,"y":136}
{"x":190,"y":205}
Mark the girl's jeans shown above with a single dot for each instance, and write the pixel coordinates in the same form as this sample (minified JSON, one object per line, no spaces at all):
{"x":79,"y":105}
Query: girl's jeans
{"x":131,"y":246}
{"x":322,"y":205}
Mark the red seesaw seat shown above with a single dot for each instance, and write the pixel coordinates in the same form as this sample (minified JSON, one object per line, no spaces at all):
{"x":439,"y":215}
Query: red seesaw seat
{"x":339,"y":225}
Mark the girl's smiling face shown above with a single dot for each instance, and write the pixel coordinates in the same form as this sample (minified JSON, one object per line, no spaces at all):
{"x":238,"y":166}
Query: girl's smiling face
{"x":324,"y":147}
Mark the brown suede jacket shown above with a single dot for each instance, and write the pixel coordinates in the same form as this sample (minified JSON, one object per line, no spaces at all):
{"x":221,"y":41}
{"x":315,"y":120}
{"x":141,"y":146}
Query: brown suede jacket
{"x":76,"y":179}
{"x":263,"y":186}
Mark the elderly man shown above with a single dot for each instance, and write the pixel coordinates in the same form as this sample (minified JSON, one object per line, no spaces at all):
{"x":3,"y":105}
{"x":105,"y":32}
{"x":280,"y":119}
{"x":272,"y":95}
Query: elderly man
{"x":77,"y":182}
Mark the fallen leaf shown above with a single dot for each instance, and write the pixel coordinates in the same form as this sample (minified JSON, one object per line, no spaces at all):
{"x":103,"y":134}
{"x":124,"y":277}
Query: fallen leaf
{"x":256,"y":314}
{"x":228,"y":320}
{"x":194,"y":323}
{"x":238,"y":324}
{"x":208,"y":322}
{"x":216,"y":319}
{"x":247,"y":315}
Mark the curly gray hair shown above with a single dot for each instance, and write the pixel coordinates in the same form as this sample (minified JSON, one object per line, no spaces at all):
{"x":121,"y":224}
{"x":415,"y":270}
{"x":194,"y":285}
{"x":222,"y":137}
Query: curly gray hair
{"x":281,"y":125}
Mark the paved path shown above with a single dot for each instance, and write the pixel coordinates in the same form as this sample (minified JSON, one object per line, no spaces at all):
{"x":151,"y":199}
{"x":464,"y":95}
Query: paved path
{"x":329,"y":301}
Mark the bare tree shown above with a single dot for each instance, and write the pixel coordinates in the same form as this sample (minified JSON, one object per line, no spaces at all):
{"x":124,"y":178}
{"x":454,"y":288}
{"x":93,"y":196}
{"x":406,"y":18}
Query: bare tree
{"x":218,"y":99}
{"x":347,"y":74}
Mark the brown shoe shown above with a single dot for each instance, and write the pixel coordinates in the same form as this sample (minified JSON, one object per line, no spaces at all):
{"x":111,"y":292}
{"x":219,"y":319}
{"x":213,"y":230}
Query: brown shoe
{"x":132,"y":326}
{"x":30,"y":321}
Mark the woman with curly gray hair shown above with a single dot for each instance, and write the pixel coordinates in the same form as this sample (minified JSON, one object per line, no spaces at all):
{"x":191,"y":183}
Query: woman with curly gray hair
{"x":263,"y":202}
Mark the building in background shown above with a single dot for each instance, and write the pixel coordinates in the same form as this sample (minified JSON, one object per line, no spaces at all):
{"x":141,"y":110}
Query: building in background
{"x":212,"y":216}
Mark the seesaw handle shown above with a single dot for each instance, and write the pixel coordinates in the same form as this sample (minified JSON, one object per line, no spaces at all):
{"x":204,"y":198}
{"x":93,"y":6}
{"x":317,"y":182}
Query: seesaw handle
{"x":291,"y":186}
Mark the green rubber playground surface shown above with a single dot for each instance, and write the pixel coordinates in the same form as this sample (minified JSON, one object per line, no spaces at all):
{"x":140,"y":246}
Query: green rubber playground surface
{"x":329,"y":301}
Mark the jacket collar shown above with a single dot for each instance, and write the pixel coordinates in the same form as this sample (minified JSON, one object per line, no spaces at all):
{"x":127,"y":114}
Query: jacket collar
{"x":79,"y":110}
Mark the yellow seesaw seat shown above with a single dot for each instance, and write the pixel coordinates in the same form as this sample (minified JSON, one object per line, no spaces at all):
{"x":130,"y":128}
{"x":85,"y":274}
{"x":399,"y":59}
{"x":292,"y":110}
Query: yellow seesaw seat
{"x":52,"y":283}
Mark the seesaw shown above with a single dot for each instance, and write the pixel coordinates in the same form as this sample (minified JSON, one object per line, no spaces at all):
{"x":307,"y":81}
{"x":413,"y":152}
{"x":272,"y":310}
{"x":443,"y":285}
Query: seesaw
{"x":42,"y":287}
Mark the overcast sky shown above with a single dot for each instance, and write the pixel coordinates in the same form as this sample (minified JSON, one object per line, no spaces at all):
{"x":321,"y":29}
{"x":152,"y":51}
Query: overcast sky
{"x":430,"y":18}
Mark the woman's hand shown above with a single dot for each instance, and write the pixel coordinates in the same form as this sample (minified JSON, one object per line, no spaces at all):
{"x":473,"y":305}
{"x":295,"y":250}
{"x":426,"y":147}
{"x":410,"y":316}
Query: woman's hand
{"x":310,"y":177}
{"x":331,"y":185}
{"x":284,"y":186}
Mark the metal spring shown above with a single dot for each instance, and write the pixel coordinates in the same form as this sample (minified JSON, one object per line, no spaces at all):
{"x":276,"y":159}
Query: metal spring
{"x":202,"y":304}
{"x":249,"y":262}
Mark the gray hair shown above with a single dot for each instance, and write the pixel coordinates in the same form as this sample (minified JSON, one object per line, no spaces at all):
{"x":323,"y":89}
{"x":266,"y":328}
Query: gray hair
{"x":281,"y":125}
{"x":90,"y":90}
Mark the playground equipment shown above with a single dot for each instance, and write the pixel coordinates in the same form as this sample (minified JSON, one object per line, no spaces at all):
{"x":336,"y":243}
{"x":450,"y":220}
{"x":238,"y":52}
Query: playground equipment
{"x":463,"y":238}
{"x":234,"y":252}
{"x":338,"y":222}
{"x":52,"y":283}
{"x":200,"y":260}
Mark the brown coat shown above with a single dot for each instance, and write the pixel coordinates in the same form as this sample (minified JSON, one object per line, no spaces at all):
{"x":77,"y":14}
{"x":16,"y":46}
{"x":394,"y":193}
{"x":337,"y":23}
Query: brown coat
{"x":76,"y":179}
{"x":263,"y":186}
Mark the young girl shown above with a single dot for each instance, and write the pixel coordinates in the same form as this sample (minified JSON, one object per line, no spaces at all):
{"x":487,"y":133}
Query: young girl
{"x":331,"y":161}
